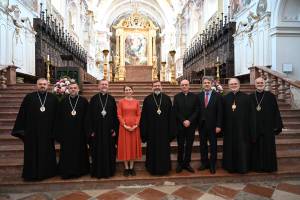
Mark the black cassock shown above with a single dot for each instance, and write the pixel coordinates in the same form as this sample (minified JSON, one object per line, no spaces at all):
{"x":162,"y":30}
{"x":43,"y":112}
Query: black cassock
{"x":157,"y":130}
{"x":102,"y":144}
{"x":268,"y":123}
{"x":237,"y":133}
{"x":71,"y":133}
{"x":35,"y":128}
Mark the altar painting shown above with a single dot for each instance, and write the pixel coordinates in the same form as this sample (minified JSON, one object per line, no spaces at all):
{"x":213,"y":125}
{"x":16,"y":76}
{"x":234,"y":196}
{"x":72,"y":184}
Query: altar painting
{"x":135,"y":49}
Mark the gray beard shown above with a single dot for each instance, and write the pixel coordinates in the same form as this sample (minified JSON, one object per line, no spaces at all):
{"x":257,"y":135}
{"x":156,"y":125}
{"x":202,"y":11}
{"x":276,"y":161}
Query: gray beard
{"x":157,"y":92}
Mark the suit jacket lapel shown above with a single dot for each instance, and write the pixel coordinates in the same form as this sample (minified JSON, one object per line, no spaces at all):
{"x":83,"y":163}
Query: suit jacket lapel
{"x":202,"y":99}
{"x":212,"y":96}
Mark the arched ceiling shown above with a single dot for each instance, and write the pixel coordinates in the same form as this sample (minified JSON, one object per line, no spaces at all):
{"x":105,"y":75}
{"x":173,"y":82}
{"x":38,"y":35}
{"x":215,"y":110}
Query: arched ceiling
{"x":161,"y":12}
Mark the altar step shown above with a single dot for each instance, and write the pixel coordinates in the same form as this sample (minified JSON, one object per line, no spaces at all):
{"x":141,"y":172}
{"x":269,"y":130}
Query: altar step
{"x":16,"y":184}
{"x":11,"y":149}
{"x":12,"y":167}
{"x":7,"y":139}
{"x":288,"y":120}
{"x":6,"y":129}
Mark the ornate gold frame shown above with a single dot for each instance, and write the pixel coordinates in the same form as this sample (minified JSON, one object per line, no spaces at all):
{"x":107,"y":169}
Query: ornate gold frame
{"x":135,"y":23}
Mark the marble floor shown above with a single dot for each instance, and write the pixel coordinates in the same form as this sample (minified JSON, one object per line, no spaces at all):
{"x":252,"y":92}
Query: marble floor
{"x":276,"y":190}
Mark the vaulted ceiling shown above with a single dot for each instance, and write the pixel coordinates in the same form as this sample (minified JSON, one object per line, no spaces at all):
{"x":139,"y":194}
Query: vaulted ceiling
{"x":162,"y":12}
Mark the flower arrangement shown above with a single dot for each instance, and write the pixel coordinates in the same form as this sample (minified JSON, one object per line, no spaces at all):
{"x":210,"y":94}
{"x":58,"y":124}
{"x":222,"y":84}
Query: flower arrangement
{"x":217,"y":87}
{"x":61,"y":87}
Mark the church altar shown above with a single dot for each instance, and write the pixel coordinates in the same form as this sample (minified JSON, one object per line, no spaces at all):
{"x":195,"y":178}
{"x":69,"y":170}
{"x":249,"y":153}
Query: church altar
{"x":138,"y":73}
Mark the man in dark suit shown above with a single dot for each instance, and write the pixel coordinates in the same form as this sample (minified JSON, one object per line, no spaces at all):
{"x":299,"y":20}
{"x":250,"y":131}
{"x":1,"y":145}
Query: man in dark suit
{"x":186,"y":111}
{"x":210,"y":122}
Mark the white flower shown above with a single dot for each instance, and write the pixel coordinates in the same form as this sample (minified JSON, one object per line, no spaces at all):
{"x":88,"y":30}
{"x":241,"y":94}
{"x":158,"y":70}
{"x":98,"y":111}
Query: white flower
{"x":213,"y":88}
{"x":67,"y":82}
{"x":219,"y":87}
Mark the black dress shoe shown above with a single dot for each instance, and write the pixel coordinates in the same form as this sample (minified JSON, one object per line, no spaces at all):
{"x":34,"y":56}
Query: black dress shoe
{"x":212,"y":170}
{"x":126,"y":172}
{"x":178,"y":169}
{"x":132,"y":172}
{"x":190,"y":169}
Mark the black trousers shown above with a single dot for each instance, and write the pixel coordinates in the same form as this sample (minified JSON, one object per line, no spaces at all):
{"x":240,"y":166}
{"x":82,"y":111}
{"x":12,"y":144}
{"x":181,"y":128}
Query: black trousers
{"x":208,"y":134}
{"x":185,"y":139}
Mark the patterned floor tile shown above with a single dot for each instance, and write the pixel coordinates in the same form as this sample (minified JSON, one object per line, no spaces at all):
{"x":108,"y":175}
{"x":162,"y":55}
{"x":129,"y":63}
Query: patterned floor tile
{"x":259,"y":190}
{"x":224,"y":192}
{"x":167,"y":189}
{"x":234,"y":186}
{"x":248,"y":196}
{"x":133,"y":198}
{"x":171,"y":197}
{"x":202,"y":188}
{"x":75,"y":196}
{"x":113,"y":195}
{"x":207,"y":196}
{"x":188,"y":193}
{"x":95,"y":193}
{"x":280,"y":195}
{"x":131,"y":191}
{"x":267,"y":184}
{"x":151,"y":194}
{"x":289,"y":188}
{"x":58,"y":194}
{"x":36,"y":196}
{"x":18,"y":195}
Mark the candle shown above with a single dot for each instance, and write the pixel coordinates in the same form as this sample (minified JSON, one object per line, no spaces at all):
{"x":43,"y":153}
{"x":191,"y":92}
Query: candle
{"x":217,"y":58}
{"x":48,"y":57}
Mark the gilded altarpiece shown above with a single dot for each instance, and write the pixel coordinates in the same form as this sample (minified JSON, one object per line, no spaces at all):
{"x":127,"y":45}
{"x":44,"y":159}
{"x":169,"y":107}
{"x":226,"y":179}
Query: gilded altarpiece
{"x":136,"y":57}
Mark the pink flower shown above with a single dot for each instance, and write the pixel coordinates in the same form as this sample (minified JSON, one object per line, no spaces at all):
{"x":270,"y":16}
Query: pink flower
{"x":63,"y":89}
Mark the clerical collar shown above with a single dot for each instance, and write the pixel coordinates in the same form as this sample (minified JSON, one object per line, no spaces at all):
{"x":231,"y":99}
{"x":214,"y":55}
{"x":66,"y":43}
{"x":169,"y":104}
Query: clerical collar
{"x":259,"y":91}
{"x":42,"y":92}
{"x":103,"y":94}
{"x":185,"y":93}
{"x":235,"y":93}
{"x":73,"y":97}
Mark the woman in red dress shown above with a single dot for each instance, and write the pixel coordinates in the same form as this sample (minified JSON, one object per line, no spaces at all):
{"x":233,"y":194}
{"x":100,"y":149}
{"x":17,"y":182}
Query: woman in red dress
{"x":129,"y":141}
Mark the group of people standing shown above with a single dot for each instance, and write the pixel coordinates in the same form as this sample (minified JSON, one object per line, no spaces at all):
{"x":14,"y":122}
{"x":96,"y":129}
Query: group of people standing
{"x":108,"y":131}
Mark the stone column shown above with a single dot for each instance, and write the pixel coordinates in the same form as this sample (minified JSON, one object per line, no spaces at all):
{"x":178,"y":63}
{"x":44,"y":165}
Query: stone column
{"x":163,"y":71}
{"x":105,"y":53}
{"x":11,"y":75}
{"x":172,"y":64}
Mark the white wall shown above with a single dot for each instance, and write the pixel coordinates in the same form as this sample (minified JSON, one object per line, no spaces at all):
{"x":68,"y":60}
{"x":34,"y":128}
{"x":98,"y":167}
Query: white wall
{"x":17,"y":39}
{"x":271,"y":39}
{"x":285,"y":36}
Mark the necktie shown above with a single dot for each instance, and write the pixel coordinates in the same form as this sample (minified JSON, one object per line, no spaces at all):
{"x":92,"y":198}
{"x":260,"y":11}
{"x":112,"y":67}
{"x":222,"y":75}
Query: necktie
{"x":206,"y":99}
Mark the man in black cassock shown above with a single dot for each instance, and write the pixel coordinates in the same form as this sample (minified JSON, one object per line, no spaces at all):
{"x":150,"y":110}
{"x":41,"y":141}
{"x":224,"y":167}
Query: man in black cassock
{"x":71,"y":133}
{"x":210,"y":123}
{"x":186,"y":109}
{"x":237,"y":124}
{"x":103,"y":131}
{"x":157,"y":130}
{"x":268,"y":123}
{"x":34,"y":126}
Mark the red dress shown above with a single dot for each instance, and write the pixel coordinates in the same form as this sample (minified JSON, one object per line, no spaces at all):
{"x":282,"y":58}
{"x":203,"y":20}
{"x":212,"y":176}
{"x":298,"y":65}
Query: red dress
{"x":129,"y":143}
